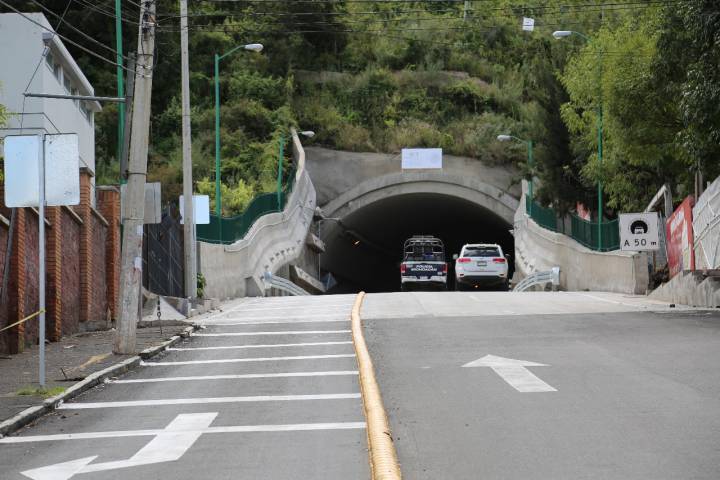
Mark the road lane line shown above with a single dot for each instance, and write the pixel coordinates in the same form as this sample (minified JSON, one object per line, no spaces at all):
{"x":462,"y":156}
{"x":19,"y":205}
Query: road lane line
{"x":206,"y":400}
{"x":383,"y":458}
{"x":287,"y":332}
{"x":290,"y":307}
{"x":147,"y":433}
{"x":238,"y":377}
{"x":230,"y":323}
{"x":272,"y":345}
{"x":242,"y":360}
{"x":291,"y":316}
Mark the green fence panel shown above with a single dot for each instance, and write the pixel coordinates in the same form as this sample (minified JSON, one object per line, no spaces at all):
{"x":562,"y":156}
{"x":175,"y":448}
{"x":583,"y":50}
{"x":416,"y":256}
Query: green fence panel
{"x":231,"y":229}
{"x":583,"y":231}
{"x":543,"y":216}
{"x":586,"y":233}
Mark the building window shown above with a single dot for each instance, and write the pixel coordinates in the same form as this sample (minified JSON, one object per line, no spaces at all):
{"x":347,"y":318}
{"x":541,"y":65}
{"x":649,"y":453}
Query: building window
{"x":50,"y":60}
{"x":68,"y":84}
{"x":86,"y":112}
{"x":57,"y":71}
{"x":75,"y":92}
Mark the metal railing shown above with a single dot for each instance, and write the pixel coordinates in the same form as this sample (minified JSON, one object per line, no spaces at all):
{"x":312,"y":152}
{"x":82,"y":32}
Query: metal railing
{"x":227,"y":230}
{"x":283,"y":284}
{"x":581,"y":230}
{"x":539,"y":278}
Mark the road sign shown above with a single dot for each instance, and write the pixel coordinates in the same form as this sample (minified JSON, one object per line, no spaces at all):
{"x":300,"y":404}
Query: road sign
{"x":514,"y":373}
{"x":42,"y":170}
{"x":414,"y":158}
{"x":201,"y":209}
{"x":22,"y":170}
{"x":639,"y":231}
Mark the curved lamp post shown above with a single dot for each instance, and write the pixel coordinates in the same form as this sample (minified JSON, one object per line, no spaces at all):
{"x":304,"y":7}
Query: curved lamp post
{"x":531,"y":163}
{"x":251,"y":47}
{"x":560,"y":34}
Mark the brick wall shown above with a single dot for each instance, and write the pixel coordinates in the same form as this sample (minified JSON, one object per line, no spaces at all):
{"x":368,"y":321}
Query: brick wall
{"x":82,"y":268}
{"x":70,"y":272}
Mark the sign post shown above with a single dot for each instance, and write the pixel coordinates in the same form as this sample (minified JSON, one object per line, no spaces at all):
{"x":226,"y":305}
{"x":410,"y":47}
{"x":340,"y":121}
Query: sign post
{"x":26,"y":186}
{"x":639,"y":232}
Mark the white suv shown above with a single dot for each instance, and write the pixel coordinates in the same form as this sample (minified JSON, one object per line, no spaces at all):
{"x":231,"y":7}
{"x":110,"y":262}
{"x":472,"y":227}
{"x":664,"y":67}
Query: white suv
{"x":481,"y":264}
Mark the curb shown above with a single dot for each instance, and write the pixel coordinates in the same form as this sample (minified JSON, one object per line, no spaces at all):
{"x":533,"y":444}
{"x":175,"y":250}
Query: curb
{"x":32,"y":413}
{"x":381,"y":449}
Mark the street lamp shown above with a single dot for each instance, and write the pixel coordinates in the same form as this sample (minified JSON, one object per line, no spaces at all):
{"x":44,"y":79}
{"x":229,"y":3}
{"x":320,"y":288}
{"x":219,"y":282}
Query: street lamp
{"x":251,"y":47}
{"x":559,"y":34}
{"x":531,"y":163}
{"x":305,"y":133}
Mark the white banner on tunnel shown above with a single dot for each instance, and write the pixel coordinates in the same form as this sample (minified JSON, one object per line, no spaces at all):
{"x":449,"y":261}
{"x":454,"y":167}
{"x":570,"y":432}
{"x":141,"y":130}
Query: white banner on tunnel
{"x":414,"y":158}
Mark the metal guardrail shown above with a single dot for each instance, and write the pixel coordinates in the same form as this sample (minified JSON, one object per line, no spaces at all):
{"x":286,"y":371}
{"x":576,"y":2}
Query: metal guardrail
{"x":539,"y":278}
{"x":273,"y":281}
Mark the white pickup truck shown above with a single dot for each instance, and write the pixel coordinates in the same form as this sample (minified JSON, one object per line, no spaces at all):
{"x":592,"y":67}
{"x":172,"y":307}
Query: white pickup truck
{"x":423,"y":265}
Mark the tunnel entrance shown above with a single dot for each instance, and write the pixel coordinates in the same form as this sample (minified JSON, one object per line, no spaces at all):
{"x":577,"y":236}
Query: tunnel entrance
{"x":364,"y":249}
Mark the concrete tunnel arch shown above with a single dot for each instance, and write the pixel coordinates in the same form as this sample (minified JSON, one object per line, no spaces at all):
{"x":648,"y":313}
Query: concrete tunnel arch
{"x":363,"y":250}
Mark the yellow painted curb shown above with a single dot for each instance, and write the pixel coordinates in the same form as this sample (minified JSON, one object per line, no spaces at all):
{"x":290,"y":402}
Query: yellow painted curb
{"x":383,"y":459}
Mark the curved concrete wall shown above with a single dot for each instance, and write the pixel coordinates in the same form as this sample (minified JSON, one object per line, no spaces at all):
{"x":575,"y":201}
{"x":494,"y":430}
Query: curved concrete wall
{"x":469,"y":188}
{"x":538,"y":249}
{"x":273,"y":241}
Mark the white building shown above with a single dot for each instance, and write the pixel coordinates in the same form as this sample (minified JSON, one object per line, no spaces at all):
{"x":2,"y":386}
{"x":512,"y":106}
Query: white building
{"x":22,"y":44}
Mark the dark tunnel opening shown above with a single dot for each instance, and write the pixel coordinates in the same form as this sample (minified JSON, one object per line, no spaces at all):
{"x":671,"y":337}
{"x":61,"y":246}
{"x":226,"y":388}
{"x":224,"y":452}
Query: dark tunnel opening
{"x":364,"y":249}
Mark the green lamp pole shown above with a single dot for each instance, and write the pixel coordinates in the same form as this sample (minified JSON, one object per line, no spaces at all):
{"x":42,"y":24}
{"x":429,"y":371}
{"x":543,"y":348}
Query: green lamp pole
{"x":563,"y":34}
{"x":531,"y":162}
{"x":119,"y":74}
{"x":305,"y":133}
{"x":253,"y":47}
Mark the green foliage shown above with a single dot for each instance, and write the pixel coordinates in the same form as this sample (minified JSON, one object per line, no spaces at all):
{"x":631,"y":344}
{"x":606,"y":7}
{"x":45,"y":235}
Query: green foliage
{"x":386,"y":75}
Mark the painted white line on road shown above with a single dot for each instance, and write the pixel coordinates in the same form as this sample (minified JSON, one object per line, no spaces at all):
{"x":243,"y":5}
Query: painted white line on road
{"x":230,"y":323}
{"x":238,"y":377}
{"x":243,"y":360}
{"x":167,"y":446}
{"x":272,"y":345}
{"x":514,"y":373}
{"x":206,"y":400}
{"x":340,"y":316}
{"x":290,"y":307}
{"x":146,"y":433}
{"x":287,"y":332}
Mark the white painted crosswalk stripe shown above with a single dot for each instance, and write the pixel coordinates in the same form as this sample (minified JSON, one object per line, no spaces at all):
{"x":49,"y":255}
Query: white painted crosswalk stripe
{"x":148,"y":433}
{"x":272,"y":345}
{"x":332,"y":373}
{"x":242,"y":360}
{"x":207,"y":400}
{"x":288,"y":332}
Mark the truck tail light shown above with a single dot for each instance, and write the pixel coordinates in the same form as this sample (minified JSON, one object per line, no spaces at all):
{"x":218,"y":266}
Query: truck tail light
{"x":499,"y":260}
{"x":445,"y":268}
{"x":403,"y":267}
{"x":463,"y":260}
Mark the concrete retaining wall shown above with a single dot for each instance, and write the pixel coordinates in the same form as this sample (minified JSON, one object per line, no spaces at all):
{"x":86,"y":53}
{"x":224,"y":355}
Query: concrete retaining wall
{"x":273,"y":241}
{"x":538,"y":249}
{"x":690,"y":288}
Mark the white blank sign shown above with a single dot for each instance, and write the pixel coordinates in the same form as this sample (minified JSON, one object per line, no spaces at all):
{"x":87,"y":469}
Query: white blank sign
{"x":421,"y":158}
{"x":62,"y":170}
{"x":201,"y":209}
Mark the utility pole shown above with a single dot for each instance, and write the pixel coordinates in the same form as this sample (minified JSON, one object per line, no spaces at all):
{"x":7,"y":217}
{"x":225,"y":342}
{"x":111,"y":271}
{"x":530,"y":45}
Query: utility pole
{"x":188,"y":212}
{"x":131,"y":273}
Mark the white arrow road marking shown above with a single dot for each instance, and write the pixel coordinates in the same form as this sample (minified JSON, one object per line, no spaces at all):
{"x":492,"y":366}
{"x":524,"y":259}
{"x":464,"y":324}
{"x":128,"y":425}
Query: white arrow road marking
{"x":514,"y":373}
{"x":167,"y":446}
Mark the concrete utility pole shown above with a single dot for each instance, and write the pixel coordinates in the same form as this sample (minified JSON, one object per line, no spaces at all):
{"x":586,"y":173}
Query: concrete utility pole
{"x":189,"y":214}
{"x":133,"y":216}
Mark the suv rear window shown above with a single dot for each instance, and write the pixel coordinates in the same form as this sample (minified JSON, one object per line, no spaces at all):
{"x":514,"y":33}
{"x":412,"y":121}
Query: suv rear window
{"x":481,"y":252}
{"x":418,"y":253}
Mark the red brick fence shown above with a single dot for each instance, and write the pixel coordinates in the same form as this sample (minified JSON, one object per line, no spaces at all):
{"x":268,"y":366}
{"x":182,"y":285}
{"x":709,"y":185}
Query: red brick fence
{"x":82,"y":267}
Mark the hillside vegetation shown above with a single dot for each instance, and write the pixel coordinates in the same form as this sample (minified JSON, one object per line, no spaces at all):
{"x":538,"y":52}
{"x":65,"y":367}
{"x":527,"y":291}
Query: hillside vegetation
{"x":383,"y":75}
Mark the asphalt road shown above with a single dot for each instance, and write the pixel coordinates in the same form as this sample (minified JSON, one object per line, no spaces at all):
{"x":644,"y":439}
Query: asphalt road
{"x":268,"y":390}
{"x":630,"y":389}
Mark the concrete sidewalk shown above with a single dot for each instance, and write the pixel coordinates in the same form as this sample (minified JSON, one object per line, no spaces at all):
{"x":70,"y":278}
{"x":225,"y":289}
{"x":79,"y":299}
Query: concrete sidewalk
{"x":68,"y":361}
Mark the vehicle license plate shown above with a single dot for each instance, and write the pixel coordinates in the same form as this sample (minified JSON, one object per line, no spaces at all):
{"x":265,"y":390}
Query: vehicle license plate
{"x":482,"y":264}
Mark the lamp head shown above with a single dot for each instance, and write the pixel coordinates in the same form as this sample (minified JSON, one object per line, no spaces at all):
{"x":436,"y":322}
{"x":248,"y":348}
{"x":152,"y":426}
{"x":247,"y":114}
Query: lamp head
{"x":558,"y":34}
{"x":254,"y":47}
{"x":504,"y":138}
{"x":307,"y":133}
